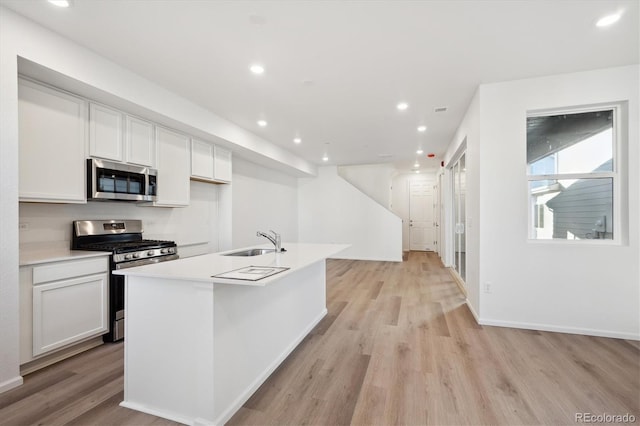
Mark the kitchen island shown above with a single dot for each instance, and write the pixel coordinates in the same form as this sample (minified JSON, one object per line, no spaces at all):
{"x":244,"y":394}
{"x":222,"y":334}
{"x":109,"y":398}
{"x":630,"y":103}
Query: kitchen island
{"x":198,"y":346}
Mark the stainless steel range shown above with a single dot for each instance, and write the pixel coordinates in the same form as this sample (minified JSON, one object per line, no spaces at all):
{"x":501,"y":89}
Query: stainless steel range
{"x":123,"y":238}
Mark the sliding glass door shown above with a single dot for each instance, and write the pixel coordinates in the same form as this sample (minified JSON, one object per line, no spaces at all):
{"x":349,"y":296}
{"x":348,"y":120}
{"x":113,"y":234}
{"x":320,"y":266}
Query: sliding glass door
{"x":459,"y":216}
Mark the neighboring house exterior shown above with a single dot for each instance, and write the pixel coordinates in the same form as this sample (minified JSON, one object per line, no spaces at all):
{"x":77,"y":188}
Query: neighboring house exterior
{"x":585,"y":208}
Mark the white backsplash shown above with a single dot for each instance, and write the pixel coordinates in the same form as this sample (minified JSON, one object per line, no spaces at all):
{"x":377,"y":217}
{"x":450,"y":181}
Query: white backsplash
{"x":50,"y":224}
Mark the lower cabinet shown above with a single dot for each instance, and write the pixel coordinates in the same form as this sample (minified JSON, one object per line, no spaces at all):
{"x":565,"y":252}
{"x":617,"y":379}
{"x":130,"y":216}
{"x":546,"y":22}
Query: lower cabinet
{"x":68,"y":304}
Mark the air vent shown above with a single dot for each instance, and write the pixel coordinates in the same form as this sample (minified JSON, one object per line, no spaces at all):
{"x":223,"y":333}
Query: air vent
{"x":440,"y":109}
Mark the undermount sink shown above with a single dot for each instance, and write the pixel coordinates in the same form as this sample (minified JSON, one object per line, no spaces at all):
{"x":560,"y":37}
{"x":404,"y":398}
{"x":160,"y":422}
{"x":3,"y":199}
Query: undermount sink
{"x":250,"y":252}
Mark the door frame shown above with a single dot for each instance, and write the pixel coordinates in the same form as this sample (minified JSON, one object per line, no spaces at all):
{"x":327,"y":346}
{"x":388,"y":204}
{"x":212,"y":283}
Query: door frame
{"x":450,"y":199}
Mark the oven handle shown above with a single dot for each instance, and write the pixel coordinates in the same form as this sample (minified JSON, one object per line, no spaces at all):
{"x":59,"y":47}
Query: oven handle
{"x":147,"y":261}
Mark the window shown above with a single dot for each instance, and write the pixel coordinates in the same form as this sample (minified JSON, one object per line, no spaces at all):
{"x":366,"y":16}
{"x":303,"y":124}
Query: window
{"x":572,"y":174}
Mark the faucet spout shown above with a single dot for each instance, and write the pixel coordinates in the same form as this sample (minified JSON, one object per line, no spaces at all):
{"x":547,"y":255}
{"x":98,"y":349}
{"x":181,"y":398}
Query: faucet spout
{"x":272,"y":236}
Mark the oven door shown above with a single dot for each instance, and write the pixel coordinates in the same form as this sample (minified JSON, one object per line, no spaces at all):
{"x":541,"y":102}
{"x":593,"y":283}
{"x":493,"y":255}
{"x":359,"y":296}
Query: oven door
{"x":116,"y":309}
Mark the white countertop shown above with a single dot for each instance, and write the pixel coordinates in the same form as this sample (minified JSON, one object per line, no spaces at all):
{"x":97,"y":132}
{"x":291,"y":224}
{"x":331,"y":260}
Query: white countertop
{"x":45,"y":254}
{"x":203,"y":268}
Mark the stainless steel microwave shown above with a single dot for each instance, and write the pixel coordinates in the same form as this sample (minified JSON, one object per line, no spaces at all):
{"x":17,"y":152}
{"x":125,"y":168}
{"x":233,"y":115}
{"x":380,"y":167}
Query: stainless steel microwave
{"x":108,"y":180}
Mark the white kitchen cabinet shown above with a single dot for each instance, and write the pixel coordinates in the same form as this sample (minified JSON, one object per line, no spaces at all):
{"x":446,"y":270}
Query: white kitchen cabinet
{"x":117,"y":136}
{"x":222,"y":164}
{"x":174,"y":168}
{"x":139,"y":141}
{"x":209,"y":162}
{"x":105,"y":132}
{"x":62,"y":303}
{"x":201,"y":160}
{"x":52,"y":132}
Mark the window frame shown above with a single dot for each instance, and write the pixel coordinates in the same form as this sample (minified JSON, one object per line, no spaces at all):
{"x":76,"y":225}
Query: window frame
{"x":615,"y":174}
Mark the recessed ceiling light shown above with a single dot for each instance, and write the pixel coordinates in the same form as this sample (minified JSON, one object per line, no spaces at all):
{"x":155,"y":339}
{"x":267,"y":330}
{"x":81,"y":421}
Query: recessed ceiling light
{"x":417,"y":164}
{"x":262,"y":123}
{"x":417,"y":171}
{"x":257,"y":69}
{"x":325,"y":158}
{"x":605,"y":21}
{"x":419,"y":151}
{"x":402,"y":106}
{"x":60,"y":3}
{"x":422,"y":128}
{"x":297,"y":140}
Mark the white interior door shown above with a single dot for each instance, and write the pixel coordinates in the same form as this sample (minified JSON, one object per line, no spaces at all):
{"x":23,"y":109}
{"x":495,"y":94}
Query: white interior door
{"x":421,"y":231}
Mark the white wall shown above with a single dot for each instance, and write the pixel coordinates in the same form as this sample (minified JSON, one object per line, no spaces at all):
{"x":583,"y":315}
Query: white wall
{"x":466,"y":138}
{"x":331,"y":210}
{"x":263,"y":199}
{"x":9,"y":326}
{"x":582,"y":288}
{"x":372,"y":179}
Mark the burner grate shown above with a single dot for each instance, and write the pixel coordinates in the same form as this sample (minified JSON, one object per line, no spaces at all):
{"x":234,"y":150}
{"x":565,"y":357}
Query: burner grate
{"x":122,"y":246}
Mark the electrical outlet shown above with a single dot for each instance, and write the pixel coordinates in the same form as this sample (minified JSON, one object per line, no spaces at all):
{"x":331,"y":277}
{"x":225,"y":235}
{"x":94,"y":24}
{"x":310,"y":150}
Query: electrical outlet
{"x":487,"y":287}
{"x":23,"y":226}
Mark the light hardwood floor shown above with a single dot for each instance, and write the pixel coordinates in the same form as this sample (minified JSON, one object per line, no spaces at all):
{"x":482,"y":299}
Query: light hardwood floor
{"x":398,"y":347}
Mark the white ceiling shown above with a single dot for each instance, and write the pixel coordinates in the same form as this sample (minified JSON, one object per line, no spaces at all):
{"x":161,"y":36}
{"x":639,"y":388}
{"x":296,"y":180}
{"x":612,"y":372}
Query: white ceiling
{"x":335,"y":70}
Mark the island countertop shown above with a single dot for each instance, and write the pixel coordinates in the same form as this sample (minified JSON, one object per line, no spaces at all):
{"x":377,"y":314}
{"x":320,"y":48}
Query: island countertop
{"x":203,"y":268}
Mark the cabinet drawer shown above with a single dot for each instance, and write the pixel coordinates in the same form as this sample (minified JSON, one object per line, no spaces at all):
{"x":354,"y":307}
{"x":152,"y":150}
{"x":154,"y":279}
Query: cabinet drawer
{"x":63,"y":270}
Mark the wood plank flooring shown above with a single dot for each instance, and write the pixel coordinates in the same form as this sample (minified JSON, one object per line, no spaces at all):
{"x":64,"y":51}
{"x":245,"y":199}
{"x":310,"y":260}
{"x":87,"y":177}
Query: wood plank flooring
{"x":398,"y":347}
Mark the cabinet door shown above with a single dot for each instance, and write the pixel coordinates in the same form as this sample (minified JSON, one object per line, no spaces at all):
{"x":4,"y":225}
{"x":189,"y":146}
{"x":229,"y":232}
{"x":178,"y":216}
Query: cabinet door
{"x":68,"y":311}
{"x":105,"y":132}
{"x":139,"y":141}
{"x":201,"y":159}
{"x":173,"y":164}
{"x":222,"y":164}
{"x":52,"y":132}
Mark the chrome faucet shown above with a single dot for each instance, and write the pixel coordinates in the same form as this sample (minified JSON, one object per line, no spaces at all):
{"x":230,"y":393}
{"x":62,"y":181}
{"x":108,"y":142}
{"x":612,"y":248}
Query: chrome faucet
{"x":273,"y":237}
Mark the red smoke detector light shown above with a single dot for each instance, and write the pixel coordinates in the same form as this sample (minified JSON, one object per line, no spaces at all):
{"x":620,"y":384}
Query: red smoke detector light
{"x":431,"y":155}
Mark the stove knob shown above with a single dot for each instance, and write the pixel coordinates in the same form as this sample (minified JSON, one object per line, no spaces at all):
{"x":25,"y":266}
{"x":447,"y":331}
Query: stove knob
{"x":128,"y":256}
{"x":136,"y":255}
{"x":150,"y":253}
{"x":164,"y":250}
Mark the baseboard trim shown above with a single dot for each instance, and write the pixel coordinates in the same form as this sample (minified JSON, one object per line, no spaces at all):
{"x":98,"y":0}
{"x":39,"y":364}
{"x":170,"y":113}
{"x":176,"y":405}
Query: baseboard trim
{"x":458,"y":280}
{"x":11,"y":384}
{"x":558,"y":329}
{"x":158,"y":413}
{"x":59,"y":355}
{"x":244,"y":397}
{"x":473,"y":311}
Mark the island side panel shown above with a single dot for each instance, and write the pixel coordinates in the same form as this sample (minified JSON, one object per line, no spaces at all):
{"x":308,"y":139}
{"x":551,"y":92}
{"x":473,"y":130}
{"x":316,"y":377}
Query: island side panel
{"x":169,"y":349}
{"x":256,"y":328}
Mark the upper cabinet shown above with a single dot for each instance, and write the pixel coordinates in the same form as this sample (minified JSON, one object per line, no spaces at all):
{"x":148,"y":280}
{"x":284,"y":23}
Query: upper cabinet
{"x":172,"y":160}
{"x":209,"y":162}
{"x":116,"y":136}
{"x":201,"y":160}
{"x":222,"y":164}
{"x":59,"y":130}
{"x":139,"y":140}
{"x":105,"y":132}
{"x":52,"y":132}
